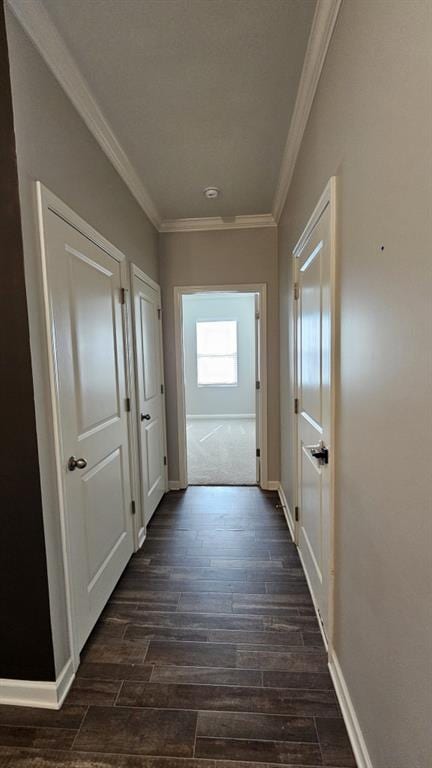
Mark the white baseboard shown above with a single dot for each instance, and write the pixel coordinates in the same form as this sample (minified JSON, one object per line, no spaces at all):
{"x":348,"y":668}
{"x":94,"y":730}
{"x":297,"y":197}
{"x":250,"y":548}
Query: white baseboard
{"x":141,"y":536}
{"x":286,"y":510}
{"x":270,"y":485}
{"x":349,"y":714}
{"x":174,"y":485}
{"x":196,"y":416}
{"x":34,"y":693}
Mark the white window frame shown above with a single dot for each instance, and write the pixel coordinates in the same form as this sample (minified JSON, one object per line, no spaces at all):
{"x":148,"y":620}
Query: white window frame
{"x":236,"y":355}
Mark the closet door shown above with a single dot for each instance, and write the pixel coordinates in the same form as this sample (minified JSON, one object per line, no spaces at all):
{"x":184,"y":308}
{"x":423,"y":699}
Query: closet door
{"x":84,"y":283}
{"x":150,"y":391}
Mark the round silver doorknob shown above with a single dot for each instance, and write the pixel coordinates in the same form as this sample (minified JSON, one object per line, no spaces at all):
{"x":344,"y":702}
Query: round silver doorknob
{"x":74,"y":463}
{"x":145,"y":416}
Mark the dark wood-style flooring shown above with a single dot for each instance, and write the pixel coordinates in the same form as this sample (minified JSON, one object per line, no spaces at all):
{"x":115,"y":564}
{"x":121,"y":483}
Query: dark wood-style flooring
{"x":208,"y":652}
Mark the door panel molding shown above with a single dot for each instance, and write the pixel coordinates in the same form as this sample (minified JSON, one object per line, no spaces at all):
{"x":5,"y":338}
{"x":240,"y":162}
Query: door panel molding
{"x":327,"y":202}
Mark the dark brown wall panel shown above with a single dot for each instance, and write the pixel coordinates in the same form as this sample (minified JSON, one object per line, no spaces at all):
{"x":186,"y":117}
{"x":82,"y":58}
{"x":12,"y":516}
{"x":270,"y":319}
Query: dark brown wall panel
{"x":26,"y":650}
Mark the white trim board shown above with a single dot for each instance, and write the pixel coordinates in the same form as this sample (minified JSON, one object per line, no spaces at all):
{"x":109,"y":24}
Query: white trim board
{"x":198,"y":416}
{"x":33,"y":693}
{"x":38,"y":25}
{"x":218,"y":222}
{"x":349,"y":714}
{"x":286,"y":510}
{"x":323,"y":24}
{"x":270,"y":485}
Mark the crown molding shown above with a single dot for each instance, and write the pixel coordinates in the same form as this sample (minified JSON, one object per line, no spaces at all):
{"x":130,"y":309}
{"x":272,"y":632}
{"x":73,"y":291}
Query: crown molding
{"x":218,"y":222}
{"x":37,"y":24}
{"x":323,"y":23}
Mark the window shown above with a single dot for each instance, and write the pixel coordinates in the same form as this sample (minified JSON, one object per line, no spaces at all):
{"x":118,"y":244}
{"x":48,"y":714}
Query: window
{"x":216,"y":353}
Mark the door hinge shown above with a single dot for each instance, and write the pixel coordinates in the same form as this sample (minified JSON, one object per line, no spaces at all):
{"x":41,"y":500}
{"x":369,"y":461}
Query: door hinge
{"x":123,"y":294}
{"x":127,"y":404}
{"x":296,"y":405}
{"x":162,"y":389}
{"x":159,"y":313}
{"x":296,"y":514}
{"x":257,"y":385}
{"x":296,"y":290}
{"x":133,"y":510}
{"x":257,"y":316}
{"x":258,"y":453}
{"x":165,"y":461}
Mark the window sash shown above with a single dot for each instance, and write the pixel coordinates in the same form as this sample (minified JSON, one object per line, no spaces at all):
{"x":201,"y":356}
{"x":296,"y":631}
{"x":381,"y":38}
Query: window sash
{"x":210,"y":365}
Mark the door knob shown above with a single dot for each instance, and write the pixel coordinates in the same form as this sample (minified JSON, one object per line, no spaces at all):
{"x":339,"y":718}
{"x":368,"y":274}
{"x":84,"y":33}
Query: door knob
{"x":145,"y":416}
{"x":73,"y":463}
{"x":319,"y":452}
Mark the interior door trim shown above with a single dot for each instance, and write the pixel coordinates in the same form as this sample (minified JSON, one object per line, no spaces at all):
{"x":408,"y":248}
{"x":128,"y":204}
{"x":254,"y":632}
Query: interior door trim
{"x":179,"y":292}
{"x":328,"y":199}
{"x":47,"y":202}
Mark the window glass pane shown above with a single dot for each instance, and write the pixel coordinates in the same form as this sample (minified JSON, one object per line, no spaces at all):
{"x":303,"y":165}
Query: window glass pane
{"x":217,"y":370}
{"x":216,"y":337}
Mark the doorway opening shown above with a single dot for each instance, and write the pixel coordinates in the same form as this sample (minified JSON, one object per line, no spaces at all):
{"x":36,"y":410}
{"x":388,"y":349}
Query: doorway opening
{"x":220,"y":424}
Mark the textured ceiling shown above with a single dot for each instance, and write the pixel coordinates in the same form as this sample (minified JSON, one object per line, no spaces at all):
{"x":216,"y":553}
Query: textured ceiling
{"x":199,"y":92}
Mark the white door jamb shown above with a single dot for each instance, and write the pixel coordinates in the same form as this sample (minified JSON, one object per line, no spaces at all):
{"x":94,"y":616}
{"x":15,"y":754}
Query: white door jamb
{"x":179,"y":292}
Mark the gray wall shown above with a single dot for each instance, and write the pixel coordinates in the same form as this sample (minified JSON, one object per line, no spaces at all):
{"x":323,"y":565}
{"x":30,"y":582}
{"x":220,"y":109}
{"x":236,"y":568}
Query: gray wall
{"x":25,"y":634}
{"x":371,"y":126}
{"x":55,"y":147}
{"x":221,"y":258}
{"x":217,"y":400}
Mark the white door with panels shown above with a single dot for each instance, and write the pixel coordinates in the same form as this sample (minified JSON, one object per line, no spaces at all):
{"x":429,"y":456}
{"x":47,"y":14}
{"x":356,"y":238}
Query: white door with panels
{"x":84,"y":295}
{"x":314,"y":450}
{"x":149,"y":391}
{"x":257,"y":388}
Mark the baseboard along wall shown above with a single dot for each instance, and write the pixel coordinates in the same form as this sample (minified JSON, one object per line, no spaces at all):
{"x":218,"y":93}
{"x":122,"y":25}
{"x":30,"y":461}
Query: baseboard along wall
{"x":34,"y":693}
{"x":198,"y":416}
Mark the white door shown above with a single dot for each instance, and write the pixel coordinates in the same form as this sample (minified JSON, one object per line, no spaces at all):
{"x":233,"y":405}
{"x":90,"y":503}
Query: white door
{"x":314,"y":408}
{"x":85,"y":294}
{"x":150,"y":397}
{"x":257,"y":388}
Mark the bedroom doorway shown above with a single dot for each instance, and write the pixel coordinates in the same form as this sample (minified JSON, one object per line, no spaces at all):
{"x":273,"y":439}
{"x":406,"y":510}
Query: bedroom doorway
{"x":220,"y":386}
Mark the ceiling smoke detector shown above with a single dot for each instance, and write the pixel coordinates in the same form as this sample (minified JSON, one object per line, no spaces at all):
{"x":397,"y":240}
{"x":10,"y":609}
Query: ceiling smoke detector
{"x":211,"y":193}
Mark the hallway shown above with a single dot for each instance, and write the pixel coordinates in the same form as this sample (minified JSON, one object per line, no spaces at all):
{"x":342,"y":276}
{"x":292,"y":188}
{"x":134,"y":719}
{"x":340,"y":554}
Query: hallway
{"x":209,"y":648}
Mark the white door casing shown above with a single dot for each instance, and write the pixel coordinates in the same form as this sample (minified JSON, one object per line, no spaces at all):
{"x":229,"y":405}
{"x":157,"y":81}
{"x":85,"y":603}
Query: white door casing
{"x":179,"y":292}
{"x":83,"y":281}
{"x":315,"y":403}
{"x":150,"y":397}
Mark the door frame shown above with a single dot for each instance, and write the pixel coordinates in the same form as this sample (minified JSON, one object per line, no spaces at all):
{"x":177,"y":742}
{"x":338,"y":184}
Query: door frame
{"x":46,"y":201}
{"x":135,"y":271}
{"x":179,"y":292}
{"x":327,"y":200}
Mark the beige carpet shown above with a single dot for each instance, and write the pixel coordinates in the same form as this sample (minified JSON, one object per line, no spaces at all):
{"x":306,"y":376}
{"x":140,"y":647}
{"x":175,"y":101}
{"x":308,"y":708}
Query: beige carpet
{"x":221,"y":451}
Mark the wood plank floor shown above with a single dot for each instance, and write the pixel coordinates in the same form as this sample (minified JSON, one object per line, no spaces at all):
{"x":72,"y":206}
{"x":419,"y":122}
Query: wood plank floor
{"x":208,"y":654}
